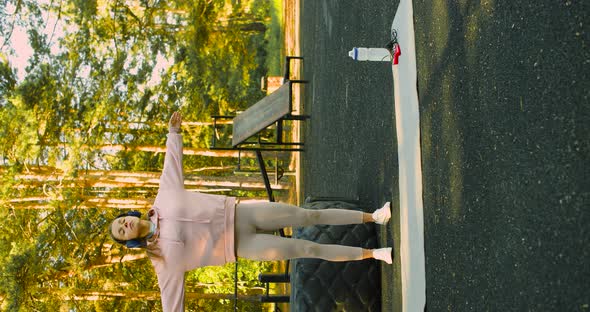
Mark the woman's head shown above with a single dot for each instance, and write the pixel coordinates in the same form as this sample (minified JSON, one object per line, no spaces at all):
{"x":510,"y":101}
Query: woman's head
{"x":125,"y":230}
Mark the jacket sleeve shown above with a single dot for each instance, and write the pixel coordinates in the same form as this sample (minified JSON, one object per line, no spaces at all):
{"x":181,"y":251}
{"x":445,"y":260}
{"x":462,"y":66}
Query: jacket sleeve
{"x":171,"y":290}
{"x":171,"y":177}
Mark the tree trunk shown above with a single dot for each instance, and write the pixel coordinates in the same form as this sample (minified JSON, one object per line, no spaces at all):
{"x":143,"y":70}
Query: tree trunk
{"x":185,"y":151}
{"x":117,"y":178}
{"x":105,"y":259}
{"x":95,"y":295}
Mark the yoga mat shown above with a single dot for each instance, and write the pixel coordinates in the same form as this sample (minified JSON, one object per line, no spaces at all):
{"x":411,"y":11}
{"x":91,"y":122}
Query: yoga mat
{"x":407,"y":116}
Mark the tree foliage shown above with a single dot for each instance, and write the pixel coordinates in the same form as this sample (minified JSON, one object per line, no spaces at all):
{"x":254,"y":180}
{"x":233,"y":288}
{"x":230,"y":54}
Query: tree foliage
{"x":109,"y":73}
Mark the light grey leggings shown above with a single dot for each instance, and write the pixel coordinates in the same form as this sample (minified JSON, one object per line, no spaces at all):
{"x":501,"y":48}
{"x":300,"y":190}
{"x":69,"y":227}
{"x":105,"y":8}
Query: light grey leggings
{"x":269,"y":216}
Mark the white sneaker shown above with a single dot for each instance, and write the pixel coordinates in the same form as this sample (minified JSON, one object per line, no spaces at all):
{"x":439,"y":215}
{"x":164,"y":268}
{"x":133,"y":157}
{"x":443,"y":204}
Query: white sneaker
{"x":382,"y":215}
{"x":383,"y":254}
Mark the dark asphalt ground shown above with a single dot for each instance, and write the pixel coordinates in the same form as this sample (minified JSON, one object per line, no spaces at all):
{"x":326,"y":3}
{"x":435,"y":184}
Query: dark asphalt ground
{"x":505,"y":124}
{"x":351,"y":149}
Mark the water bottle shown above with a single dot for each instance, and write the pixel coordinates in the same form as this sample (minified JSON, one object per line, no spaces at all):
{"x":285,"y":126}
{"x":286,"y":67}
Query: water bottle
{"x":370,"y":54}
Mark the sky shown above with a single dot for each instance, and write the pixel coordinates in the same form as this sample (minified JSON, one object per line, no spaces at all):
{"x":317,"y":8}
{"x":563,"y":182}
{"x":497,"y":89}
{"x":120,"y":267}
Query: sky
{"x":23,"y":52}
{"x":20,"y":42}
{"x":21,"y":46}
{"x":55,"y":29}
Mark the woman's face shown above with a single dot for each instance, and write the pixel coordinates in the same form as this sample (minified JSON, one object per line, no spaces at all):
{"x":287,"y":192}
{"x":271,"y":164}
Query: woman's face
{"x":126,"y":228}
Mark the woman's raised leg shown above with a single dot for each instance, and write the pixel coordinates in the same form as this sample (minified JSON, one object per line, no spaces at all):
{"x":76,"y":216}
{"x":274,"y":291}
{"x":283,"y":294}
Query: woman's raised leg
{"x":268,"y":247}
{"x":269,"y":216}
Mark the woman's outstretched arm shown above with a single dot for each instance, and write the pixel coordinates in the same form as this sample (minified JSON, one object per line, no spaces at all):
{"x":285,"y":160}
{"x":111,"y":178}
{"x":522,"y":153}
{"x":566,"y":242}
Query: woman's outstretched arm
{"x":172,"y":173}
{"x":171,"y":284}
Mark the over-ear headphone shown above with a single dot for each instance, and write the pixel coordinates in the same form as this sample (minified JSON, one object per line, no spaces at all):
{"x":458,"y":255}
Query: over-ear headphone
{"x":135,"y":243}
{"x":132,"y":243}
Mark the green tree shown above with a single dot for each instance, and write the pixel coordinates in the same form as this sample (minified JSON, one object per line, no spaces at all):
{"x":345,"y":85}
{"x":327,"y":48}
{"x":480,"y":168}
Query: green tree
{"x":105,"y":88}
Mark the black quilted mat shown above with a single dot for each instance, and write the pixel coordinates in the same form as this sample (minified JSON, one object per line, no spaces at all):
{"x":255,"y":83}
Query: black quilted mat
{"x":318,"y":285}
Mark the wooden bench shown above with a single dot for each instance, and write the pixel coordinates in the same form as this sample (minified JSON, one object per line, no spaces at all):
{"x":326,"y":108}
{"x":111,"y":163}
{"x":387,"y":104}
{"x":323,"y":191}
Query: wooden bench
{"x":274,"y":109}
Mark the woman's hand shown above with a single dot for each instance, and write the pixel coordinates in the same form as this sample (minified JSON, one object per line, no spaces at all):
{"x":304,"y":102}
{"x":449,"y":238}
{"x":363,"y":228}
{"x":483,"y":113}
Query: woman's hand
{"x":175,"y":122}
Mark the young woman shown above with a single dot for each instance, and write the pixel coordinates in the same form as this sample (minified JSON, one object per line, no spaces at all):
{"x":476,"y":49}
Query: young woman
{"x":186,"y":230}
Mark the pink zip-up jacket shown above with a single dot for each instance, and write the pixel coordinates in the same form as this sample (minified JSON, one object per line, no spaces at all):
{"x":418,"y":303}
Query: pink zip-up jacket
{"x":193,"y":229}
